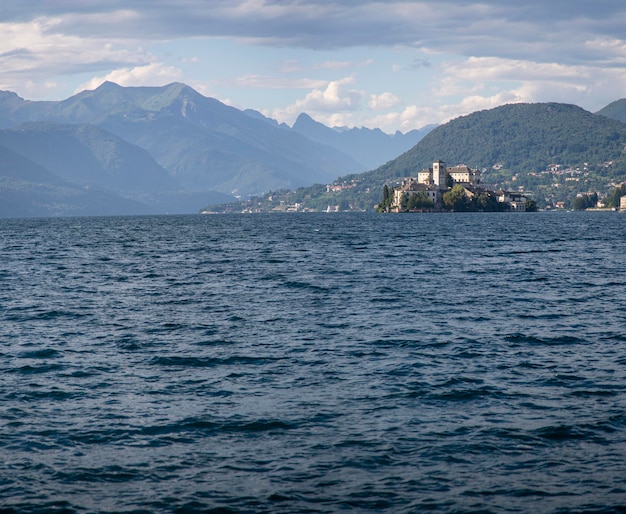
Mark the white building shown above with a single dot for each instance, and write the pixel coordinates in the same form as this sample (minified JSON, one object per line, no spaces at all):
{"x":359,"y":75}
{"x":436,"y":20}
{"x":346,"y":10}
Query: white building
{"x":462,"y":174}
{"x":411,"y":186}
{"x":517,"y":200}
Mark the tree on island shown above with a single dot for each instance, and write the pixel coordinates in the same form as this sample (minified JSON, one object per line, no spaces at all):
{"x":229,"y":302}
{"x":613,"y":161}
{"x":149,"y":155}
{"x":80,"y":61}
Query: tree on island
{"x":419,"y":200}
{"x":487,"y":202}
{"x":385,"y":204}
{"x":456,"y":200}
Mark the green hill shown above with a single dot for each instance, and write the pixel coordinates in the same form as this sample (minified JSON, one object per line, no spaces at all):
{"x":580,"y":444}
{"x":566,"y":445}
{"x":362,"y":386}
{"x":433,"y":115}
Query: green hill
{"x":615,"y":110}
{"x":520,"y":138}
{"x":550,"y":150}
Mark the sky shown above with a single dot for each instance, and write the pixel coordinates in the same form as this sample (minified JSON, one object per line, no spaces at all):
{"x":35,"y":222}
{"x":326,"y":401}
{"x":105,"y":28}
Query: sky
{"x":393,"y":65}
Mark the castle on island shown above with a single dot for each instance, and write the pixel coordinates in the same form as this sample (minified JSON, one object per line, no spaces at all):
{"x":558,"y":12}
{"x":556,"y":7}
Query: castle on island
{"x":427,"y":191}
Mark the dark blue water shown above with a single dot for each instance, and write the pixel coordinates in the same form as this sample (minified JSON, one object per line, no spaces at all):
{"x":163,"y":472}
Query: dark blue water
{"x":314,"y":363}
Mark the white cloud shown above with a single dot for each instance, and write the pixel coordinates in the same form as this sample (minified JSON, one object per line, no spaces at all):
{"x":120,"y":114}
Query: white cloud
{"x":154,"y":74}
{"x":504,"y":51}
{"x":383,"y":101}
{"x":290,"y":66}
{"x":33,"y":55}
{"x":336,"y":97}
{"x":331,"y":105}
{"x":503,"y":80}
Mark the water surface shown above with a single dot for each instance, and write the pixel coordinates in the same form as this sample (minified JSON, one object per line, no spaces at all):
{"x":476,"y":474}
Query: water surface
{"x":314,"y":363}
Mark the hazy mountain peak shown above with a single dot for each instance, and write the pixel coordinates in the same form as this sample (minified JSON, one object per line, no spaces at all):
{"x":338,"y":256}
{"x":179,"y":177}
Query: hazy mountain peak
{"x":370,"y":147}
{"x":10,"y":96}
{"x":107,"y":84}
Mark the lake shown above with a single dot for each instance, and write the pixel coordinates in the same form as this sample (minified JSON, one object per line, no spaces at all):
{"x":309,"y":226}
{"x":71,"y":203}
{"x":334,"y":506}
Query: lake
{"x":314,"y":363}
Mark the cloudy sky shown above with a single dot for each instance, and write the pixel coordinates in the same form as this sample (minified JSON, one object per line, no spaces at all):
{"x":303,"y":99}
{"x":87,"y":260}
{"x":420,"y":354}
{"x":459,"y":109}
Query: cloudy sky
{"x":396,"y":65}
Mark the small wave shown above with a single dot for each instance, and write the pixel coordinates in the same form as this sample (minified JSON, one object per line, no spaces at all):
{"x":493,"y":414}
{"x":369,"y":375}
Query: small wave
{"x":191,"y":425}
{"x":562,"y":433}
{"x":469,"y":394}
{"x":46,"y":353}
{"x":51,"y":507}
{"x":208,"y":362}
{"x":114,"y":474}
{"x":523,"y":339}
{"x":33,"y":370}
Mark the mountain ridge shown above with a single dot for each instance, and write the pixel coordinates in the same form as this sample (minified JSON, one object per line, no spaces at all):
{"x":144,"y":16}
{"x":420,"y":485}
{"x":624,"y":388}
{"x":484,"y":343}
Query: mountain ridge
{"x":158,"y":145}
{"x":204,"y":146}
{"x":552,"y":151}
{"x":371,"y":147}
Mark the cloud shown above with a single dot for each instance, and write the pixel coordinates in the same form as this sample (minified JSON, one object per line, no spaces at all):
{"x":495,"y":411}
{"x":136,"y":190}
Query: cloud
{"x":416,"y":64}
{"x":529,"y":81}
{"x":291,"y":66}
{"x":336,"y":97}
{"x":383,"y":101}
{"x":569,"y":31}
{"x":323,"y":103}
{"x":154,"y":74}
{"x":33,"y":52}
{"x":481,"y":54}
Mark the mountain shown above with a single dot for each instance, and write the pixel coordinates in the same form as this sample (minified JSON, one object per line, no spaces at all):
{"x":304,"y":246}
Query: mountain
{"x":202,"y":143}
{"x":28,"y":189}
{"x":551,"y":151}
{"x":370,"y":147}
{"x":615,"y":110}
{"x":88,"y":155}
{"x":50,"y":169}
{"x":518,"y":137}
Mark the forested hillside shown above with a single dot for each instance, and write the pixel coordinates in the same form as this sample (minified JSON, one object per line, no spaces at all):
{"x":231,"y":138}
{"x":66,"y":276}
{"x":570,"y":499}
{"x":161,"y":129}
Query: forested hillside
{"x":615,"y":110}
{"x":520,"y":138}
{"x":551,"y":151}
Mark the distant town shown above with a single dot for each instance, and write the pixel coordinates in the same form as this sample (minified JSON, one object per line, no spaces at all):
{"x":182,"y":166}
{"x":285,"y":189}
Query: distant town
{"x":438,"y":188}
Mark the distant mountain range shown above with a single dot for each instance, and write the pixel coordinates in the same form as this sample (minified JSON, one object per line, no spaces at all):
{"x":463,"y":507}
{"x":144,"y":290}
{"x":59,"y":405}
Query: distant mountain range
{"x":370,"y":147}
{"x":118,"y":150}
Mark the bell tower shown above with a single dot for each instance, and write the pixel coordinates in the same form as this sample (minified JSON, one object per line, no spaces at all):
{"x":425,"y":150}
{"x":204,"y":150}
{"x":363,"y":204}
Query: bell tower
{"x":439,"y":174}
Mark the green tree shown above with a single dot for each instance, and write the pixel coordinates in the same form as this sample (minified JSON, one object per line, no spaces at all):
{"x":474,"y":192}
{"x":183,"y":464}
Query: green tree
{"x":487,"y":202}
{"x":385,"y":194}
{"x":580,"y":203}
{"x":456,"y":200}
{"x":424,"y":201}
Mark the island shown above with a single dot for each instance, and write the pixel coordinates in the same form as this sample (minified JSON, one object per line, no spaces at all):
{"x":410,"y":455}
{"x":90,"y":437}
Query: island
{"x":458,"y":188}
